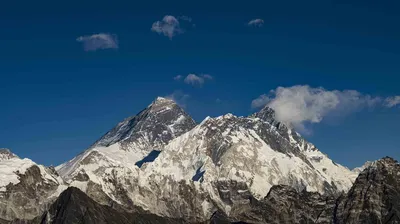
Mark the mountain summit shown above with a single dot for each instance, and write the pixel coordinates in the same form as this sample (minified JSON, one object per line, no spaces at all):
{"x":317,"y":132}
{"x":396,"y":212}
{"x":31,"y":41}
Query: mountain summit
{"x":161,"y":121}
{"x":161,"y":161}
{"x":226,"y":168}
{"x":6,"y":154}
{"x":129,"y":142}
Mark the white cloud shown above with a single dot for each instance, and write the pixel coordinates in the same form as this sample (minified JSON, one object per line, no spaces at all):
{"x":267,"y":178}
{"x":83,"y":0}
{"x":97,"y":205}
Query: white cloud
{"x":392,"y":101}
{"x":178,"y":77}
{"x":98,"y":41}
{"x":170,"y":26}
{"x":206,"y":76}
{"x":298,"y":105}
{"x":260,"y":101}
{"x":179,"y":97}
{"x":256,"y":22}
{"x":193,"y":79}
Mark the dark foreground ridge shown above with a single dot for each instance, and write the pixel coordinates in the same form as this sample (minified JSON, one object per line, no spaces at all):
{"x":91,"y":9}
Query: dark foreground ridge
{"x":73,"y":207}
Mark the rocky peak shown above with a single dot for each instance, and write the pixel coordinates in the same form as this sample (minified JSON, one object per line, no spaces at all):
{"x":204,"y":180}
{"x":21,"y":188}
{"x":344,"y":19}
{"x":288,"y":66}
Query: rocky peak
{"x":363,"y":167}
{"x":162,"y":104}
{"x":375,"y":195}
{"x":162,"y":120}
{"x":267,"y":114}
{"x":387,"y":166}
{"x":6,"y":154}
{"x":388,"y":161}
{"x":162,"y":101}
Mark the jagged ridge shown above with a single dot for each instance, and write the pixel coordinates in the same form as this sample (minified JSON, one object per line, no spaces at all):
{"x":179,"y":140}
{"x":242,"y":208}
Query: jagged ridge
{"x":256,"y":152}
{"x":224,"y":165}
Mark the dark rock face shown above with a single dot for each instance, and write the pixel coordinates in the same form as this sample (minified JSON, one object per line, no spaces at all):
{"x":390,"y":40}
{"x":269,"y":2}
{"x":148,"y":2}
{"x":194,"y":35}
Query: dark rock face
{"x":267,"y":132}
{"x":161,"y":121}
{"x":374,"y":197}
{"x":74,"y":206}
{"x":283,"y":204}
{"x":29,"y":197}
{"x":268,"y":114}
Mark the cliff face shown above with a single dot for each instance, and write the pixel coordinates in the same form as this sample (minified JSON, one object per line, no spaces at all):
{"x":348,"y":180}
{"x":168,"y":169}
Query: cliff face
{"x":26,"y":188}
{"x":74,"y":206}
{"x":374,"y":197}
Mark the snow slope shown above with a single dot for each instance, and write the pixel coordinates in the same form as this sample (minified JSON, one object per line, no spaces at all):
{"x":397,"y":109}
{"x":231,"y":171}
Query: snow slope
{"x":11,"y":167}
{"x":26,"y":187}
{"x":241,"y":149}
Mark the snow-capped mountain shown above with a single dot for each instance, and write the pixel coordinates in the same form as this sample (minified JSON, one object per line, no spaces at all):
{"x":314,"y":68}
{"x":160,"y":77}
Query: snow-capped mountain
{"x":26,"y":188}
{"x":123,"y":150}
{"x":161,"y":165}
{"x":133,"y":139}
{"x":196,"y":170}
{"x":250,"y":150}
{"x":373,"y":198}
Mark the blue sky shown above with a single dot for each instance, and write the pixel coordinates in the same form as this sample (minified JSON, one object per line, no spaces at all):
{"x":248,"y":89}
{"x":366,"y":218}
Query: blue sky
{"x":57,"y":99}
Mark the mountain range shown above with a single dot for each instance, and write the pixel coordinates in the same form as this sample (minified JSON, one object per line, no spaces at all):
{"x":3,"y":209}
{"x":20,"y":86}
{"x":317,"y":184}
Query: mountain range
{"x":160,"y":166}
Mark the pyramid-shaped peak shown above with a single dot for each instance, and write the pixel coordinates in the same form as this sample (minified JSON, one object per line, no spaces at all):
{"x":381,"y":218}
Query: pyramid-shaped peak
{"x":163,"y":100}
{"x":6,"y":154}
{"x":161,"y":104}
{"x":161,"y":121}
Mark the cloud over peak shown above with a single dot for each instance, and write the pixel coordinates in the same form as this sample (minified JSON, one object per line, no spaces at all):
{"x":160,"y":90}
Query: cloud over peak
{"x":98,"y":41}
{"x":170,"y":26}
{"x":256,"y":22}
{"x":179,"y":97}
{"x":302,"y":104}
{"x":193,"y":79}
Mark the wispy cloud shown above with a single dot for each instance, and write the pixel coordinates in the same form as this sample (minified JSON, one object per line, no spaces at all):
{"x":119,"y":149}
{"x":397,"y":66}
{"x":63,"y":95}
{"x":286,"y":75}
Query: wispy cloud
{"x":302,"y":104}
{"x":179,"y":97}
{"x":186,"y":18}
{"x":256,"y":22}
{"x":170,"y":26}
{"x":98,"y":41}
{"x":195,"y":80}
{"x":178,"y":77}
{"x":392,"y":101}
{"x":206,"y":76}
{"x":260,"y":101}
